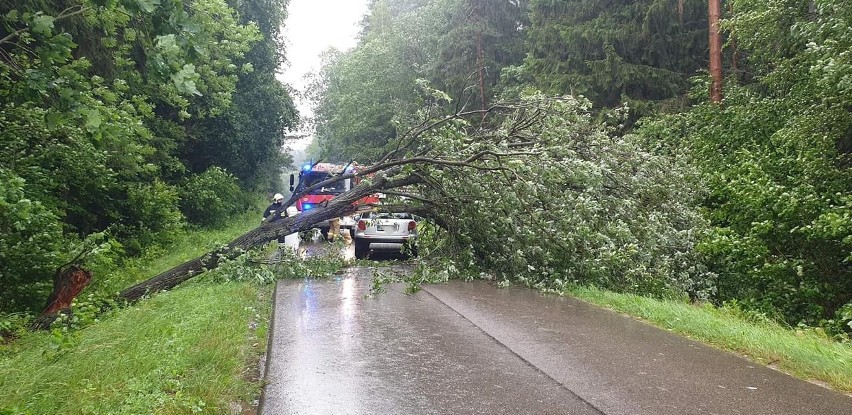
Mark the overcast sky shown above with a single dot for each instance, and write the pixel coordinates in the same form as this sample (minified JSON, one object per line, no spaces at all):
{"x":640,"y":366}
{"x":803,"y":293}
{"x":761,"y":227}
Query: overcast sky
{"x":312,"y":27}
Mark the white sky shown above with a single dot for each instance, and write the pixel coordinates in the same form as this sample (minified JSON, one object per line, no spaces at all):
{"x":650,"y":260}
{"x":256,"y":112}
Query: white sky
{"x":312,"y":27}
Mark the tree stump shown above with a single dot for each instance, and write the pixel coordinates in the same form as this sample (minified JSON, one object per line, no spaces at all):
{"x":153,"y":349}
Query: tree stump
{"x":68,"y":283}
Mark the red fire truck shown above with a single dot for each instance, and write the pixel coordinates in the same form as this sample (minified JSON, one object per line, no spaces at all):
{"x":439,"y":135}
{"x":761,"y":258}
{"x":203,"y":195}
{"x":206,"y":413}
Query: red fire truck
{"x":313,"y":173}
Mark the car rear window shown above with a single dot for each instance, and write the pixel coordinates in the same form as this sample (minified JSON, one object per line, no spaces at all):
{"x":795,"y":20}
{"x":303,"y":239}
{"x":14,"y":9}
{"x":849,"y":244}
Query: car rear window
{"x":387,"y":215}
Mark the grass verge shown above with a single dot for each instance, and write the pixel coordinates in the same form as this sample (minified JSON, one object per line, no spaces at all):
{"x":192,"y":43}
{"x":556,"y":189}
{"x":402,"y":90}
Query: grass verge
{"x":192,"y":350}
{"x":185,"y":351}
{"x":187,"y":245}
{"x":804,"y":354}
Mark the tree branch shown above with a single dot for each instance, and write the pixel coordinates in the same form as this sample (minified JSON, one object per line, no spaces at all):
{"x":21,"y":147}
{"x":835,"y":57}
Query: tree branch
{"x":62,"y":15}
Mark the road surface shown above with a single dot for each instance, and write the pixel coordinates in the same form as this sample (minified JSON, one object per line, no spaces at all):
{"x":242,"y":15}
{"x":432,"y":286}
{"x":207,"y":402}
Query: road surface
{"x":472,"y":348}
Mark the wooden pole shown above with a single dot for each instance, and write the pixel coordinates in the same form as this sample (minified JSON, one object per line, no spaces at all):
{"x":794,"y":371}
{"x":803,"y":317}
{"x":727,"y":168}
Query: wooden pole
{"x":480,"y":56}
{"x":715,"y":12}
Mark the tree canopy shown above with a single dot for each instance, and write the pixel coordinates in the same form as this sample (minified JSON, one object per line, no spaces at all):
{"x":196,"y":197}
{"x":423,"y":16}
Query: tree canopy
{"x":767,"y":169}
{"x":113,"y":113}
{"x":551,"y":142}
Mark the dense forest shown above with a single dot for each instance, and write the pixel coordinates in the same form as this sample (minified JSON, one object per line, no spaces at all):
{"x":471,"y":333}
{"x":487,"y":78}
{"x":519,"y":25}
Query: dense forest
{"x":125,"y":120}
{"x":640,"y":183}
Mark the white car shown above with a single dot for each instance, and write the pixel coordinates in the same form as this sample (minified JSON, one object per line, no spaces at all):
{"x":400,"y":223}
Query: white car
{"x":388,"y":232}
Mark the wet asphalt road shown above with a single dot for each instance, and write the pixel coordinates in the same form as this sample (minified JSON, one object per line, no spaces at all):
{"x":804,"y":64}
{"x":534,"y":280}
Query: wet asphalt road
{"x":471,"y":348}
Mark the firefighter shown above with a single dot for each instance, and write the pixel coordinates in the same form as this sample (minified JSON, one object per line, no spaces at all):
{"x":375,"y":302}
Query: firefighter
{"x":276,"y":210}
{"x":333,"y":229}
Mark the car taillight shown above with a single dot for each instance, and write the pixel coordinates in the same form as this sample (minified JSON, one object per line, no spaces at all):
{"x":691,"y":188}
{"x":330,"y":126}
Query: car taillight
{"x":412,"y":226}
{"x":362,"y":226}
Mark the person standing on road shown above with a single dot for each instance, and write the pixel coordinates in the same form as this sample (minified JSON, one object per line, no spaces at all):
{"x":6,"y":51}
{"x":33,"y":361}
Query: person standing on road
{"x":276,"y":210}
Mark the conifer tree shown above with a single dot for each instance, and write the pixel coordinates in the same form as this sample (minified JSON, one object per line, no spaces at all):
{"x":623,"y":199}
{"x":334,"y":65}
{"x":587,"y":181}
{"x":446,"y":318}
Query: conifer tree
{"x":616,"y":51}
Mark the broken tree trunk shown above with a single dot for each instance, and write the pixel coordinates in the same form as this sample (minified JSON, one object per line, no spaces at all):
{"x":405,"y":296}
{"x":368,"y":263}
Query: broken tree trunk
{"x":68,"y":283}
{"x":387,"y":175}
{"x":268,"y":231}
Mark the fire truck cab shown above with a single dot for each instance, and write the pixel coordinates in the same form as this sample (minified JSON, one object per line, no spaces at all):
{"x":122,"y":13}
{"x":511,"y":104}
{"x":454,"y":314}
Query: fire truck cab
{"x":313,"y":173}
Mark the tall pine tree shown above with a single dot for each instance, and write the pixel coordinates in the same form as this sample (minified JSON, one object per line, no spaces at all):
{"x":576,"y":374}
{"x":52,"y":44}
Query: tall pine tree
{"x":618,"y":50}
{"x":481,"y":37}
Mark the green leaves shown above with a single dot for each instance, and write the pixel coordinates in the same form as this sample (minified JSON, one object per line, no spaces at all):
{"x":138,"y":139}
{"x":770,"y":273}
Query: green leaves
{"x":93,"y":119}
{"x":778,"y":179}
{"x":577,"y":206}
{"x":185,"y":79}
{"x":148,"y":5}
{"x":167,"y":46}
{"x":211,"y":197}
{"x":42,"y":24}
{"x":30,"y":242}
{"x":98,"y":133}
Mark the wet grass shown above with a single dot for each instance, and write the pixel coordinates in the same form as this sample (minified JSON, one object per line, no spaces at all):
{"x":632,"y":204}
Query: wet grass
{"x":194,"y":349}
{"x":186,"y":246}
{"x":185,"y":351}
{"x":806,"y":354}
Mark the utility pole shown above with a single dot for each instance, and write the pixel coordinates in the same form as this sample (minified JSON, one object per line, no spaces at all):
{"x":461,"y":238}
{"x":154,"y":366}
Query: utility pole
{"x":715,"y":12}
{"x":480,"y":55}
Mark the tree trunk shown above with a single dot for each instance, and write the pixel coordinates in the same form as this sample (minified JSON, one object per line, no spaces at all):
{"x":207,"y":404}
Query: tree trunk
{"x":387,"y":175}
{"x":715,"y":12}
{"x":341,"y":205}
{"x":680,"y":11}
{"x":68,"y":283}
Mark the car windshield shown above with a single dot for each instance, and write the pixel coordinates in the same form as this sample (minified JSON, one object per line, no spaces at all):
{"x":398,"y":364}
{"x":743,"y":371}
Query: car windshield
{"x":311,"y":178}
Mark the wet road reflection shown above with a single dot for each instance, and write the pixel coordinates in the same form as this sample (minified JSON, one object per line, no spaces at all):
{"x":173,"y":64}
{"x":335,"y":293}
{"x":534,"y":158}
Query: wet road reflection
{"x":471,"y":348}
{"x":338,"y":350}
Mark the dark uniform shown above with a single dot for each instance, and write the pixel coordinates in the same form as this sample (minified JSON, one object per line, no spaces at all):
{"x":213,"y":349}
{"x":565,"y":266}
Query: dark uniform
{"x":275,"y":211}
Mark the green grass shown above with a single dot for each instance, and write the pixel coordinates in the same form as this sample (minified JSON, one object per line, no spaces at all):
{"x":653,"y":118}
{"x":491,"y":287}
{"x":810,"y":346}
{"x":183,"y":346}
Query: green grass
{"x":804,"y":354}
{"x":187,"y":246}
{"x":190,"y":350}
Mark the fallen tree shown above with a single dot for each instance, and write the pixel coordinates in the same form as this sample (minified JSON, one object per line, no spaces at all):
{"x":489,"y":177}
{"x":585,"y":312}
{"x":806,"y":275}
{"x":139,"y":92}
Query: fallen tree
{"x":399,"y":169}
{"x":536,"y":192}
{"x":268,"y":231}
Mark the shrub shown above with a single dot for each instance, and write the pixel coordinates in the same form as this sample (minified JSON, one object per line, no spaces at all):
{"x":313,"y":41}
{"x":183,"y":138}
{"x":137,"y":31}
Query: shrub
{"x":778,"y":199}
{"x":14,"y":325}
{"x":152,"y":216}
{"x":209,"y":198}
{"x":30,"y":242}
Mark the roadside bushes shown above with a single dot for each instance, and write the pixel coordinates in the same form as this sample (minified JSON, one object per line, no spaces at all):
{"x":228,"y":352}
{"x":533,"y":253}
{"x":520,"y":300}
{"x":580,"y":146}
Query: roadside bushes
{"x":101,"y":109}
{"x":30,"y":242}
{"x":775,"y":156}
{"x":152,"y":216}
{"x":209,"y":198}
{"x":779,"y":201}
